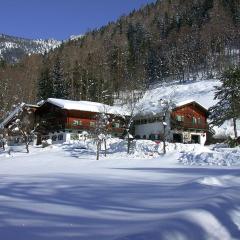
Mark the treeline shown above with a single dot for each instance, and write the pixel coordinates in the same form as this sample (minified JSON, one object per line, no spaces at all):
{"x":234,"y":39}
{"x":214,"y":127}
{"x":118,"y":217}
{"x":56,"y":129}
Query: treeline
{"x":163,"y":41}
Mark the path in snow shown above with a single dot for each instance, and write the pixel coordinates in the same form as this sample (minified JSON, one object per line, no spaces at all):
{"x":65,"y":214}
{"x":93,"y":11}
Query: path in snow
{"x":54,"y":194}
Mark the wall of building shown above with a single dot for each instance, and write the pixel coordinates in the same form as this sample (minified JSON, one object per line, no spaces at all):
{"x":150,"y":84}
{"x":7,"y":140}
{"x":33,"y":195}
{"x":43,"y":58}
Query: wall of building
{"x":187,"y":136}
{"x":190,"y":116}
{"x":156,"y":128}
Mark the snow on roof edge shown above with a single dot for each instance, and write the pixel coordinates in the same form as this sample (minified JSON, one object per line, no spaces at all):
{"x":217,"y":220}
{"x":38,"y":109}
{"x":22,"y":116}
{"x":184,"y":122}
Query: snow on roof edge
{"x":86,"y":106}
{"x":14,"y":112}
{"x":11,"y":115}
{"x":188,"y":102}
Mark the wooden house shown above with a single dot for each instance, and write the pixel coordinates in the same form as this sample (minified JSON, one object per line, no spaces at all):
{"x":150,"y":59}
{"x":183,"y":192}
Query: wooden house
{"x":23,"y":112}
{"x":185,"y":123}
{"x":64,"y":120}
{"x":189,"y":123}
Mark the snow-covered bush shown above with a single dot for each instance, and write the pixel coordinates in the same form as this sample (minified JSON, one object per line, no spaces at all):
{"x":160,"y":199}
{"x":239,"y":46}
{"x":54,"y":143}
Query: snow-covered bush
{"x":46,"y":143}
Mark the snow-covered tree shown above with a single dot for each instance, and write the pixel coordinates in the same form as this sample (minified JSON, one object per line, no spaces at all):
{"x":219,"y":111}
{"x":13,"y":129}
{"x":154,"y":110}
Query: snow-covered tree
{"x":228,"y":96}
{"x":101,"y":129}
{"x":60,"y":88}
{"x":3,"y":139}
{"x":165,"y":106}
{"x":134,"y":107}
{"x":45,"y":85}
{"x":24,"y":126}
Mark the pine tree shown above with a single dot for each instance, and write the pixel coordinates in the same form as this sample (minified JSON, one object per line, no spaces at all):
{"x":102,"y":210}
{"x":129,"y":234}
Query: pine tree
{"x":45,"y":85}
{"x":76,"y":82}
{"x":60,"y":88}
{"x":228,"y":94}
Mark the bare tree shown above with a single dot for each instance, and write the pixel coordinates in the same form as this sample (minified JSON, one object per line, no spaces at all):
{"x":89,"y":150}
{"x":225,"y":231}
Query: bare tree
{"x":134,"y":107}
{"x":24,"y":126}
{"x":101,"y":129}
{"x":3,"y":138}
{"x":165,"y":107}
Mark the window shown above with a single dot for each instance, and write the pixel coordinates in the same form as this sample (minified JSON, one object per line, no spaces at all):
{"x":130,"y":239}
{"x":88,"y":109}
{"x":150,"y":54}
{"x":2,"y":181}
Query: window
{"x":180,"y":118}
{"x":92,"y":124}
{"x":74,"y":136}
{"x":60,"y":137}
{"x":116,"y":125}
{"x":152,"y":137}
{"x":194,"y":120}
{"x":54,"y":138}
{"x":77,"y":123}
{"x":199,"y":120}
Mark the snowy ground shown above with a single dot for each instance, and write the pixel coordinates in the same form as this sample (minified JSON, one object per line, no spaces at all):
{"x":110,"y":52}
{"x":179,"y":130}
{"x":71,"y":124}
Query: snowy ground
{"x":62,"y":192}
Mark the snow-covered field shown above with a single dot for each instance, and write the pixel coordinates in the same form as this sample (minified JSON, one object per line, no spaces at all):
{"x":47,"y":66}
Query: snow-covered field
{"x":62,"y":192}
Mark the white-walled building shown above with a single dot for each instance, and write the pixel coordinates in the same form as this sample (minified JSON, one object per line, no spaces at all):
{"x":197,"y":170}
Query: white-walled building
{"x":185,"y":123}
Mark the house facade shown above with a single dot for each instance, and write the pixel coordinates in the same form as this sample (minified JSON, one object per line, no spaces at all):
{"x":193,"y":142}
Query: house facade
{"x":65,"y":120}
{"x":185,"y":123}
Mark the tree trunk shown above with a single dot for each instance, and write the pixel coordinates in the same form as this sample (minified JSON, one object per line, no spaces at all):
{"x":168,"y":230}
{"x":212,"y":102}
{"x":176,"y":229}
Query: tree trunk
{"x":27,"y":147}
{"x":26,"y":143}
{"x":164,"y":139}
{"x":98,"y":149}
{"x":235,"y":127}
{"x":105,"y":147}
{"x":128,"y":144}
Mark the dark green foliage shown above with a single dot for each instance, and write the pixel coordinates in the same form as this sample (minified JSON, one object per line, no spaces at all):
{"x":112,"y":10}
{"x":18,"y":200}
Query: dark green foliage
{"x":167,"y":40}
{"x":2,"y":63}
{"x":60,"y":86}
{"x":45,"y":85}
{"x":228,"y":96}
{"x":232,"y":142}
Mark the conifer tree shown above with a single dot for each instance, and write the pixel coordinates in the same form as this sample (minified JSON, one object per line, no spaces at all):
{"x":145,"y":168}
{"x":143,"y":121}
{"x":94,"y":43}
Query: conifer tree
{"x":45,"y":85}
{"x":228,"y":94}
{"x":60,"y":89}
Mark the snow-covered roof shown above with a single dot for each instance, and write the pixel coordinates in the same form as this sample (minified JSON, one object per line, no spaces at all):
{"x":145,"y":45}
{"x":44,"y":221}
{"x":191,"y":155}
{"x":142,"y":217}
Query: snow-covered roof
{"x":87,"y":106}
{"x":186,"y":102}
{"x":155,"y":108}
{"x":15,"y":112}
{"x":11,"y":115}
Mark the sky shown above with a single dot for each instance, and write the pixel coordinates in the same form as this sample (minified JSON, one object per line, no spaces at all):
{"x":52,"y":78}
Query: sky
{"x":59,"y":19}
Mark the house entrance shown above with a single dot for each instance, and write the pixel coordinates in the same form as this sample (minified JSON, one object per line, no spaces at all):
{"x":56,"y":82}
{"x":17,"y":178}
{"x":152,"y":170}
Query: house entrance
{"x":195,"y":139}
{"x":177,"y":138}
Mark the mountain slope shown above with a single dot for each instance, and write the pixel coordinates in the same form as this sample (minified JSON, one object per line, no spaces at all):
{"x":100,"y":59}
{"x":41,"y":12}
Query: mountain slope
{"x":12,"y":49}
{"x":161,"y":42}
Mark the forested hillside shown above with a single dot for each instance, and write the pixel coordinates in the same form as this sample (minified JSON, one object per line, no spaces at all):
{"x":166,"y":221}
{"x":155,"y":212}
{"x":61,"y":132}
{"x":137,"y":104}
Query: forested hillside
{"x":166,"y":40}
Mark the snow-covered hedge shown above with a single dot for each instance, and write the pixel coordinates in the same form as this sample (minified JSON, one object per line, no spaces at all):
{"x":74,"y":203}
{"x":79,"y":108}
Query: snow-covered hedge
{"x":217,"y":156}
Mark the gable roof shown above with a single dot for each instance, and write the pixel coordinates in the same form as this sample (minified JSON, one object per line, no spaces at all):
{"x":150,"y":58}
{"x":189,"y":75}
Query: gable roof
{"x":15,"y":112}
{"x":190,"y":102}
{"x":87,"y":106}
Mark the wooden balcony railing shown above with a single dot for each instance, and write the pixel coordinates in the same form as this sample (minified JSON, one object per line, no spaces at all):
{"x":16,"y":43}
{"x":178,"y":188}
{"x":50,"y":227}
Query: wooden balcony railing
{"x":189,"y":125}
{"x":87,"y":127}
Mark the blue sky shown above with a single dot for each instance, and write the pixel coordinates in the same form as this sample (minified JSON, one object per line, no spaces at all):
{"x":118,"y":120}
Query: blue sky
{"x":60,"y":18}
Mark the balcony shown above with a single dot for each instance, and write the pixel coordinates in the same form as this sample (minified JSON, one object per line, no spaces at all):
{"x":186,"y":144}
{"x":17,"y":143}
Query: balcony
{"x":188,"y":125}
{"x":87,"y":127}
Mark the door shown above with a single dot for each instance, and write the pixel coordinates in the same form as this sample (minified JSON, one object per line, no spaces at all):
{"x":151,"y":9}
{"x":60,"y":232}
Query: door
{"x":195,"y":139}
{"x":177,"y":138}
